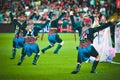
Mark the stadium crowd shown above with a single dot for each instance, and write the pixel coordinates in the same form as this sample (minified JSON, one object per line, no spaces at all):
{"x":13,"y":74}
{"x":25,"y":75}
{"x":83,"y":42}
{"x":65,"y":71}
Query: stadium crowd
{"x":43,"y":7}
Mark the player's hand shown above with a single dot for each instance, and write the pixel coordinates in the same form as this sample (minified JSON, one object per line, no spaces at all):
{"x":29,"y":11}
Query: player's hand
{"x":112,"y":20}
{"x":71,"y":12}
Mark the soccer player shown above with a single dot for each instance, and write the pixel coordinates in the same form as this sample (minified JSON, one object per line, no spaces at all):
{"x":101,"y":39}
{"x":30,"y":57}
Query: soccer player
{"x":53,"y":36}
{"x":85,"y":48}
{"x":18,"y":41}
{"x":30,"y":45}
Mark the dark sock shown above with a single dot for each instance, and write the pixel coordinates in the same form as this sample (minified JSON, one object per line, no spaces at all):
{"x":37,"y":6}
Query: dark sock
{"x":44,"y":49}
{"x":35,"y":59}
{"x":21,"y":58}
{"x":57,"y":49}
{"x":95,"y":63}
{"x":77,"y":69}
{"x":13,"y":54}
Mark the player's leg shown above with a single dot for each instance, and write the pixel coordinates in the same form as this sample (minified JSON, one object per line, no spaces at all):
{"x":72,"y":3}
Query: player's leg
{"x":58,"y":47}
{"x":60,"y":41}
{"x":13,"y":53}
{"x":83,"y":55}
{"x":47,"y":47}
{"x":13,"y":50}
{"x":37,"y":51}
{"x":36,"y":58}
{"x":79,"y":61}
{"x":21,"y":57}
{"x":51,"y":41}
{"x":96,"y":61}
{"x":78,"y":66}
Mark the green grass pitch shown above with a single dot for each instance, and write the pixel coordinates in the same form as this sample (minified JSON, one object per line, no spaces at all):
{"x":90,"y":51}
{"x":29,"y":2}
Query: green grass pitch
{"x":52,"y":66}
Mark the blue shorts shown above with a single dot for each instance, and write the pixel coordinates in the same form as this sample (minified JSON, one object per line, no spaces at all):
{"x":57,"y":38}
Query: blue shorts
{"x":53,"y":38}
{"x":18,"y":42}
{"x":85,"y":53}
{"x":31,"y":48}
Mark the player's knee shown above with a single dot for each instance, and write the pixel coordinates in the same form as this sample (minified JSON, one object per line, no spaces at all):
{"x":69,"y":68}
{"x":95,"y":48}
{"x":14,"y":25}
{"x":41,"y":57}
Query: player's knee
{"x":38,"y":53}
{"x":51,"y":45}
{"x":97,"y":58}
{"x":62,"y":43}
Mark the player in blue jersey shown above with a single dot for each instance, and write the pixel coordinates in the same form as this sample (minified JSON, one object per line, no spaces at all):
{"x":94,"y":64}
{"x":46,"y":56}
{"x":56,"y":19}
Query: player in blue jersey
{"x":18,"y":40}
{"x":85,"y":48}
{"x":30,"y":45}
{"x":53,"y":36}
